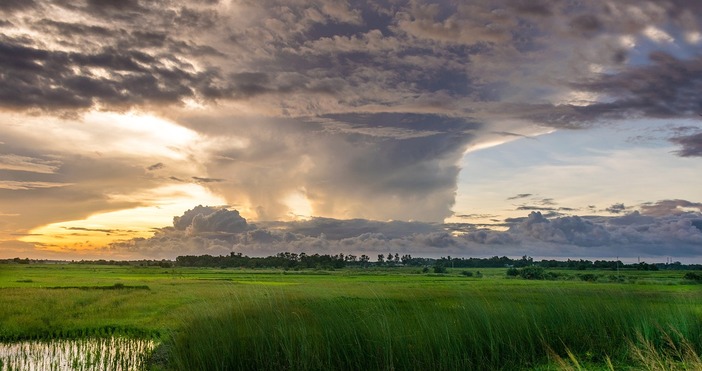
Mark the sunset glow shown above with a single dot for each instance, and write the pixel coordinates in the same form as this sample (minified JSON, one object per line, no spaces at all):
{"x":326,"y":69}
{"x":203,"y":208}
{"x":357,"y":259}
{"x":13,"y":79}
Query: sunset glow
{"x":466,"y":128}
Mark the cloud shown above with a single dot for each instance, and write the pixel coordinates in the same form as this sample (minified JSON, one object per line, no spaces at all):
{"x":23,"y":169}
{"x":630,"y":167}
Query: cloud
{"x":519,"y":196}
{"x":208,"y":230}
{"x":666,"y":88}
{"x":10,"y":6}
{"x":24,"y":163}
{"x":691,"y":145}
{"x":332,"y":57}
{"x":616,"y":208}
{"x":25,"y":186}
{"x":566,"y":230}
{"x":205,"y":219}
{"x":373,"y":179}
{"x":356,"y":110}
{"x":670,"y":207}
{"x":156,"y":166}
{"x":207,"y":180}
{"x":337,"y":229}
{"x":536,"y":208}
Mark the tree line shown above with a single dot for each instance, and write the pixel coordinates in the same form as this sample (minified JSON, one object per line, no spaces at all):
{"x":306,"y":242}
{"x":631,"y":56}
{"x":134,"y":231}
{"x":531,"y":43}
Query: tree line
{"x":289,"y":260}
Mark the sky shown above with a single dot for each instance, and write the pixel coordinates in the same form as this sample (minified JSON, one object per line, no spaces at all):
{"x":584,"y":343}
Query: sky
{"x":550,"y":128}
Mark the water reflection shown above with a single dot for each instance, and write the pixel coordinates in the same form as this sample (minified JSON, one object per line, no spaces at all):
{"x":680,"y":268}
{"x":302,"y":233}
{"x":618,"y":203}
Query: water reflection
{"x":116,"y":353}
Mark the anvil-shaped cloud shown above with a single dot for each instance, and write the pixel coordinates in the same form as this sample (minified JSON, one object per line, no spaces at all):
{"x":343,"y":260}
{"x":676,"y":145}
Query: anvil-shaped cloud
{"x":332,"y":108}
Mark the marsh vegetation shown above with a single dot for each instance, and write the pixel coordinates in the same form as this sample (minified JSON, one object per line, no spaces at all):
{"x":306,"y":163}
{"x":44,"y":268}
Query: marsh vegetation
{"x":374,"y":319}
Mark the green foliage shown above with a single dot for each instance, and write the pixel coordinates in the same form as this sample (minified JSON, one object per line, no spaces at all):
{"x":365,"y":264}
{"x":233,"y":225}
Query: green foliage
{"x":532,"y":273}
{"x":361,"y":318}
{"x":438,"y":268}
{"x":467,"y":273}
{"x":693,"y":276}
{"x":512,"y":272}
{"x":589,"y":277}
{"x":408,"y":333}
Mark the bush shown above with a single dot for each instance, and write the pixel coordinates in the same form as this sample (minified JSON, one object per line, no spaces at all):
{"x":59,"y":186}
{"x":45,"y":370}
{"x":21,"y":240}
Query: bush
{"x":532,"y":273}
{"x":553,"y":276}
{"x":438,"y":268}
{"x":512,"y":272}
{"x":693,"y":276}
{"x":589,"y":277}
{"x":467,"y":273}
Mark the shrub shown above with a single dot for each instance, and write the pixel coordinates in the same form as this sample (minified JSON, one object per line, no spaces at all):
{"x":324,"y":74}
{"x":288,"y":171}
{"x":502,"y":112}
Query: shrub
{"x":438,"y":268}
{"x":512,"y":272}
{"x":552,"y":276}
{"x":589,"y":277}
{"x":532,"y":273}
{"x":467,"y":273}
{"x":693,"y":276}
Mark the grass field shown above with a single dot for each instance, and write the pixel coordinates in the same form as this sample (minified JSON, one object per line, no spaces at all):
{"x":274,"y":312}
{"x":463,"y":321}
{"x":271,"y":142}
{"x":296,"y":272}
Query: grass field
{"x":371,"y":319}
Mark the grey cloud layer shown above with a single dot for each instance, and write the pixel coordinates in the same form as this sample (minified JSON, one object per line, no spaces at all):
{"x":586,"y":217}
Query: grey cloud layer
{"x":209,"y":230}
{"x":387,"y":54}
{"x":364,"y":109}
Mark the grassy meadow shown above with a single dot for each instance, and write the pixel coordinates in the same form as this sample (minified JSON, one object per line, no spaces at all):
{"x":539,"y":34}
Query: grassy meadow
{"x":352,"y":319}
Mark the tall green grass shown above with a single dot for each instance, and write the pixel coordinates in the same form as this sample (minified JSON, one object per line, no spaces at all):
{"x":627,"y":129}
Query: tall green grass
{"x":283,"y":331}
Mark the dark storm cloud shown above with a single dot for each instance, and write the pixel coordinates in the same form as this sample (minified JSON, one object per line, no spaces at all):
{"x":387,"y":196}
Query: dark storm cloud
{"x":691,"y":145}
{"x":363,"y":109}
{"x":569,"y":230}
{"x":336,"y":229}
{"x":322,"y":57}
{"x":668,"y":87}
{"x":216,"y":230}
{"x":366,"y":165}
{"x":203,"y":219}
{"x":670,"y":207}
{"x":9,"y":6}
{"x":38,"y":78}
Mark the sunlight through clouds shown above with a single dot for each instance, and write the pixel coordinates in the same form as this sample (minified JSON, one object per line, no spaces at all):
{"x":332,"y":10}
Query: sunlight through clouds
{"x":101,"y":229}
{"x":466,"y":116}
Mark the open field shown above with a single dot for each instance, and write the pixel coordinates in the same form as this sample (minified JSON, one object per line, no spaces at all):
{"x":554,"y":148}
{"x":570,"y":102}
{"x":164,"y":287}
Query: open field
{"x":393,"y":318}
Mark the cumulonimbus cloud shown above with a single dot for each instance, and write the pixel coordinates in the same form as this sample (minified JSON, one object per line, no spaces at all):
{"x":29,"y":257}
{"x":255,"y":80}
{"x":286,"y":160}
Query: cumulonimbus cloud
{"x":216,"y":230}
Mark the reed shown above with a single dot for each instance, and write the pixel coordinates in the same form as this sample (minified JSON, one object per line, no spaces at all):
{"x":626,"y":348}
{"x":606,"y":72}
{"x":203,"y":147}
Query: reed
{"x":426,"y":331}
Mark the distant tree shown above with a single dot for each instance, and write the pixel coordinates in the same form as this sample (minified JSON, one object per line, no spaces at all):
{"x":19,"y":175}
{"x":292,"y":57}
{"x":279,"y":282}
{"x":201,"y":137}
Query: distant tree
{"x":363,"y":260}
{"x":381,"y":259}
